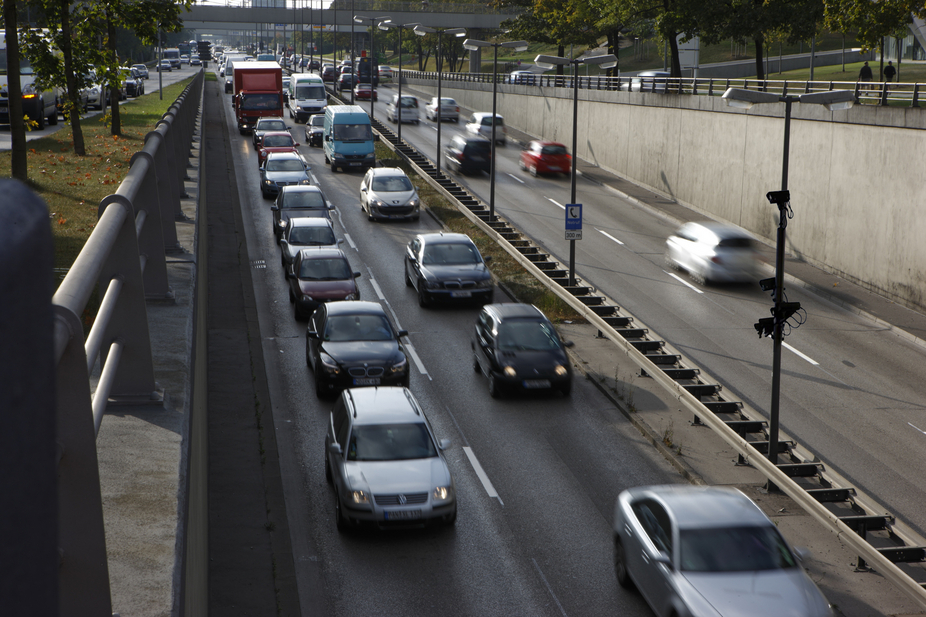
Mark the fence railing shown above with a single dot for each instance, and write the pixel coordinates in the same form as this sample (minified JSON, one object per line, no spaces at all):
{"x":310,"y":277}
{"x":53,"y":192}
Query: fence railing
{"x":124,"y":260}
{"x":873,"y":93}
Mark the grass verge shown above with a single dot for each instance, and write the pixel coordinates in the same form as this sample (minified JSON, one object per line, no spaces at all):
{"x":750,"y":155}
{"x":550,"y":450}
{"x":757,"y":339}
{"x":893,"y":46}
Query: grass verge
{"x":509,"y":273}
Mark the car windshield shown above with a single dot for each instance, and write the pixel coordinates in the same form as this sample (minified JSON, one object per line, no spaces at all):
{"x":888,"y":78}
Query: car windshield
{"x":277,"y":141}
{"x":524,"y":335}
{"x":353,"y":132}
{"x":736,"y":243}
{"x":318,"y":120}
{"x":285,"y":165}
{"x":408,"y":101}
{"x":305,"y":200}
{"x":342,"y":328}
{"x":310,"y":92}
{"x":450,"y":254}
{"x":312,"y":236}
{"x":271,"y":125}
{"x":391,"y":184}
{"x":334,"y":269}
{"x":487,"y":121}
{"x":390,"y":442}
{"x":736,"y":549}
{"x":553,"y":150}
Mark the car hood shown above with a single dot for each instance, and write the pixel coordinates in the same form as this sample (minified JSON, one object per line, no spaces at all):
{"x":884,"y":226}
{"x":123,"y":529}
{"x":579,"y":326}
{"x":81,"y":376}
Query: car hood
{"x":773,"y":593}
{"x":390,"y":477}
{"x":394,"y":198}
{"x":327,"y":290}
{"x":467,"y":272}
{"x":285,"y":176}
{"x":367,"y":352}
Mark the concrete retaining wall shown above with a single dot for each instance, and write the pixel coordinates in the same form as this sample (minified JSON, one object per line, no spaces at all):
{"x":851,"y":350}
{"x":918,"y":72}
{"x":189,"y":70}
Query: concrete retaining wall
{"x":856,"y":176}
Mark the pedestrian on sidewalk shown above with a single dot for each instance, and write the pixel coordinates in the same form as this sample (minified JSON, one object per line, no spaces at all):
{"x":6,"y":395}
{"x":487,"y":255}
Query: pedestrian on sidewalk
{"x":889,"y":71}
{"x":864,"y":75}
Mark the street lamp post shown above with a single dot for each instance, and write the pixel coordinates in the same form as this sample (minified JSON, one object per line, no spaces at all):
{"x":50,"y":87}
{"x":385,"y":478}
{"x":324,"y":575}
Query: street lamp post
{"x":606,"y":61}
{"x":352,"y":67}
{"x":457,"y":32}
{"x":474,"y":45}
{"x":833,"y":100}
{"x":386,"y":25}
{"x":373,"y":67}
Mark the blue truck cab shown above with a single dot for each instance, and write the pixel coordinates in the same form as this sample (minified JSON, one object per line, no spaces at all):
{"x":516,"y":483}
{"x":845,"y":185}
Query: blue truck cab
{"x":348,"y":138}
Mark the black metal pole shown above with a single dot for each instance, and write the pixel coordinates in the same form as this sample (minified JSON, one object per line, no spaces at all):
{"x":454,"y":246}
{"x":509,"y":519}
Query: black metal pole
{"x":440,"y":34}
{"x":374,"y":70}
{"x":352,"y":67}
{"x":399,"y":102}
{"x":494,"y":92}
{"x":779,"y":287}
{"x":572,"y":174}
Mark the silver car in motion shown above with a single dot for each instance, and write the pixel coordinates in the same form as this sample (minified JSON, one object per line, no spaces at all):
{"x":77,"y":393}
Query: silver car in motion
{"x":698,"y":551}
{"x":384,"y":463}
{"x":713,"y":252}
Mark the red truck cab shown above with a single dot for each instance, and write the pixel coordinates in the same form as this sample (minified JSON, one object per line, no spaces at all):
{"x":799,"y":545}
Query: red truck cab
{"x":258,"y":92}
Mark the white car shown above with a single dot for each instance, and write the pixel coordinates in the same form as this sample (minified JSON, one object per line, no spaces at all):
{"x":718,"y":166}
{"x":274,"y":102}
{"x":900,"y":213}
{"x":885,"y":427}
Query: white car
{"x":481,"y":124}
{"x":713,"y":252}
{"x":449,"y":109}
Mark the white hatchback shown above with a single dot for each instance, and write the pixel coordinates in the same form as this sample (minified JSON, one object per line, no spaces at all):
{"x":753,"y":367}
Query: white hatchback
{"x":481,"y":124}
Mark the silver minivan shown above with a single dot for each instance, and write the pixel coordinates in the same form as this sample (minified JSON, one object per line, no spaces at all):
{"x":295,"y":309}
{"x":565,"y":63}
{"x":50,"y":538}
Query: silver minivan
{"x":404,"y":111}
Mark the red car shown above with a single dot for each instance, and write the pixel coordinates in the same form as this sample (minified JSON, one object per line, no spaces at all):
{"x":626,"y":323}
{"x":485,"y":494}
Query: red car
{"x":275,"y":141}
{"x":328,"y":73}
{"x":364,"y":92}
{"x":545,"y":157}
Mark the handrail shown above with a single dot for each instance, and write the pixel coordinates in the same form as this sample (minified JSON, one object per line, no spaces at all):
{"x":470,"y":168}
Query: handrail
{"x":875,"y":93}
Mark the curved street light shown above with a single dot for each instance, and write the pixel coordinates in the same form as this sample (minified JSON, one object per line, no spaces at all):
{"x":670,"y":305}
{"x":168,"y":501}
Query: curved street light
{"x":387,"y":25}
{"x":373,"y":66}
{"x":457,"y":32}
{"x":474,"y":45}
{"x":607,"y":61}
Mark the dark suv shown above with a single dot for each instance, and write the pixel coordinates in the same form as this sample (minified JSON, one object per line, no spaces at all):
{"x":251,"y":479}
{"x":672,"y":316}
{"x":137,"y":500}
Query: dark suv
{"x":469,"y":154}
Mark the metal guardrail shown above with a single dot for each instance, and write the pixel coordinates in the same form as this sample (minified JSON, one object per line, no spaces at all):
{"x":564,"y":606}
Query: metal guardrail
{"x":873,"y":93}
{"x":688,"y":385}
{"x":124,"y":259}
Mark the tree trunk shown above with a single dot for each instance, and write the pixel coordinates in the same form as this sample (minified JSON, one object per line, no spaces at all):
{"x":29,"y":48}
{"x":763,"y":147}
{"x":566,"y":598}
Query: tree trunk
{"x":760,"y":67}
{"x":676,"y":68}
{"x":613,"y":48}
{"x":116,"y":127}
{"x":19,"y":163}
{"x":561,"y":52}
{"x":72,"y":102}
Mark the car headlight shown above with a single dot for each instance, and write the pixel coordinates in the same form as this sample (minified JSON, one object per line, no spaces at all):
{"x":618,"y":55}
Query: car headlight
{"x":371,"y":155}
{"x":377,"y":203}
{"x":329,"y":364}
{"x":360,"y":497}
{"x":560,"y":370}
{"x":442,"y":495}
{"x":353,"y":296}
{"x":510,"y":372}
{"x":94,"y":90}
{"x":400,"y":366}
{"x":268,"y":182}
{"x":305,"y":182}
{"x":431,"y":284}
{"x":413,"y":203}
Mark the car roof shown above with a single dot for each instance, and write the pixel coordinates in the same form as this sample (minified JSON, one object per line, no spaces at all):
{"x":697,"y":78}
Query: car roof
{"x":268,"y":118}
{"x":516,"y":310}
{"x":355,"y":307}
{"x":387,"y":171}
{"x":285,"y":155}
{"x":719,"y":230}
{"x":547,"y":143}
{"x":485,"y":114}
{"x":445,"y":238}
{"x":313,"y":221}
{"x":383,"y":404}
{"x":300,"y":188}
{"x":322,"y":252}
{"x":696,"y":507}
{"x":271,"y":133}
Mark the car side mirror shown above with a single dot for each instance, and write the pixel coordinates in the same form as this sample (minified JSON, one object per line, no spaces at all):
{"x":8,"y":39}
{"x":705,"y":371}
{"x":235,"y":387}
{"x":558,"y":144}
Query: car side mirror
{"x":402,"y":333}
{"x":663,"y":558}
{"x":568,"y":344}
{"x":802,"y":553}
{"x":274,"y":208}
{"x":296,"y":143}
{"x":283,"y":242}
{"x":487,"y":258}
{"x":311,"y":333}
{"x":330,"y":206}
{"x":335,"y":448}
{"x":290,"y":272}
{"x":363,"y":189}
{"x":356,"y":275}
{"x":340,"y":241}
{"x":443,"y":444}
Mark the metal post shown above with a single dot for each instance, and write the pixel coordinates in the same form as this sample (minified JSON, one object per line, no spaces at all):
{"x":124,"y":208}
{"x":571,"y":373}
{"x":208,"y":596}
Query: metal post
{"x":572,"y":174}
{"x":352,"y":67}
{"x":437,"y":157}
{"x":494,"y":93}
{"x":399,"y":110}
{"x":374,"y":69}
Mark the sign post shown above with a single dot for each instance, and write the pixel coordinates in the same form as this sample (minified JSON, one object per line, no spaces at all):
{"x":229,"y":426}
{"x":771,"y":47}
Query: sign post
{"x":573,"y":233}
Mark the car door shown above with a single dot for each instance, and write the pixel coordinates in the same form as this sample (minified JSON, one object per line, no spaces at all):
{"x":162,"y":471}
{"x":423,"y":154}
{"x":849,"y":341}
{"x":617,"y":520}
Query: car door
{"x":653,"y":547}
{"x":412,"y":265}
{"x":484,"y":343}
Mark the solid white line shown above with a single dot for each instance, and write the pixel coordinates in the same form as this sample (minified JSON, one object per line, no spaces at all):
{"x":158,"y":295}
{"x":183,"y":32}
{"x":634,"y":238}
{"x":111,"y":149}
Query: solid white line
{"x":809,"y":359}
{"x":517,"y":178}
{"x":607,"y":235}
{"x":479,"y":472}
{"x":558,"y":204}
{"x":379,"y":292}
{"x":349,"y":239}
{"x":683,"y":282}
{"x":918,"y":428}
{"x":408,"y":345}
{"x":550,"y":589}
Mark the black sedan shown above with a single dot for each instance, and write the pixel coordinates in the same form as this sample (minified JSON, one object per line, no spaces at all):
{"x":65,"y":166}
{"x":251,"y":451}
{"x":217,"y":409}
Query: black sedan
{"x":448,"y":267}
{"x":353,"y":344}
{"x":517,"y":347}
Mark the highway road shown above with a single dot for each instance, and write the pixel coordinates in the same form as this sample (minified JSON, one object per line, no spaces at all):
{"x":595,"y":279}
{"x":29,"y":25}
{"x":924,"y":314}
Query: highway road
{"x":533,"y":535}
{"x":850,"y":388}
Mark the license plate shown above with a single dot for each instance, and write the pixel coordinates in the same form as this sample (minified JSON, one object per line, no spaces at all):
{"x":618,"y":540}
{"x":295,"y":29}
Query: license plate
{"x":553,"y":168}
{"x":536,"y":383}
{"x":353,"y":164}
{"x":366,"y":381}
{"x":461,"y":294}
{"x":402,"y":515}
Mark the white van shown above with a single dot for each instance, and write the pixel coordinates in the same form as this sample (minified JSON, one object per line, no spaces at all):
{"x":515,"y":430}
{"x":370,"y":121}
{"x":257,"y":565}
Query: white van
{"x":307,"y":96}
{"x":406,"y":111}
{"x":227,"y":72}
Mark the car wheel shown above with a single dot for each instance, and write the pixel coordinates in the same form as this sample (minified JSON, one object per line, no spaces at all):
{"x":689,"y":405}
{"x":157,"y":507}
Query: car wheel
{"x":41,"y":121}
{"x":328,"y":470}
{"x":521,"y":164}
{"x":334,"y":168}
{"x":620,"y":564}
{"x":567,"y":389}
{"x":321,"y":392}
{"x":292,"y":296}
{"x":670,"y":263}
{"x":326,"y":158}
{"x":451,"y":518}
{"x":422,"y":299}
{"x":338,"y":516}
{"x":53,"y":118}
{"x":416,"y":122}
{"x":494,"y":389}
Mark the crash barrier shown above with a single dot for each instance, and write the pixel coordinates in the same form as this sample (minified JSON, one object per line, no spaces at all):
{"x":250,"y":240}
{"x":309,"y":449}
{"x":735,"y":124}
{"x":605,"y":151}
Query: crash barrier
{"x":803,"y":477}
{"x":873,"y":93}
{"x":124,"y":261}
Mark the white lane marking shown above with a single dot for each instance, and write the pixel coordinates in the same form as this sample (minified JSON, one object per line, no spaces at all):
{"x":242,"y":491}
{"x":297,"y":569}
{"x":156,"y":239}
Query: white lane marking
{"x":918,"y":428}
{"x":517,"y":178}
{"x":408,"y":344}
{"x":486,"y":483}
{"x":379,"y":292}
{"x":607,"y":235}
{"x":350,"y":240}
{"x":557,"y":203}
{"x":550,"y":589}
{"x":808,"y":358}
{"x":683,"y":282}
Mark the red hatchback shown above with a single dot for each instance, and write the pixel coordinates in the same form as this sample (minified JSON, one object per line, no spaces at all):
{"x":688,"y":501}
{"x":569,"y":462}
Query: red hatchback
{"x":364,"y":92}
{"x":545,"y":157}
{"x":275,"y":141}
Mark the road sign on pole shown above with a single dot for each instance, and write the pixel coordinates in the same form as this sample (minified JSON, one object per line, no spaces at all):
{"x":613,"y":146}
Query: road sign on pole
{"x":573,"y":221}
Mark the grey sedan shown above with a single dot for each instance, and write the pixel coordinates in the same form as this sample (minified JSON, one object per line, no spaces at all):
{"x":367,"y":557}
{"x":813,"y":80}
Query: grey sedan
{"x":283,"y":169}
{"x":708,"y":551}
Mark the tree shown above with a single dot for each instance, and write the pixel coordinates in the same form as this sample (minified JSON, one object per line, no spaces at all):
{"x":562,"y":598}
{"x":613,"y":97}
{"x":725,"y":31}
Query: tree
{"x":19,"y":162}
